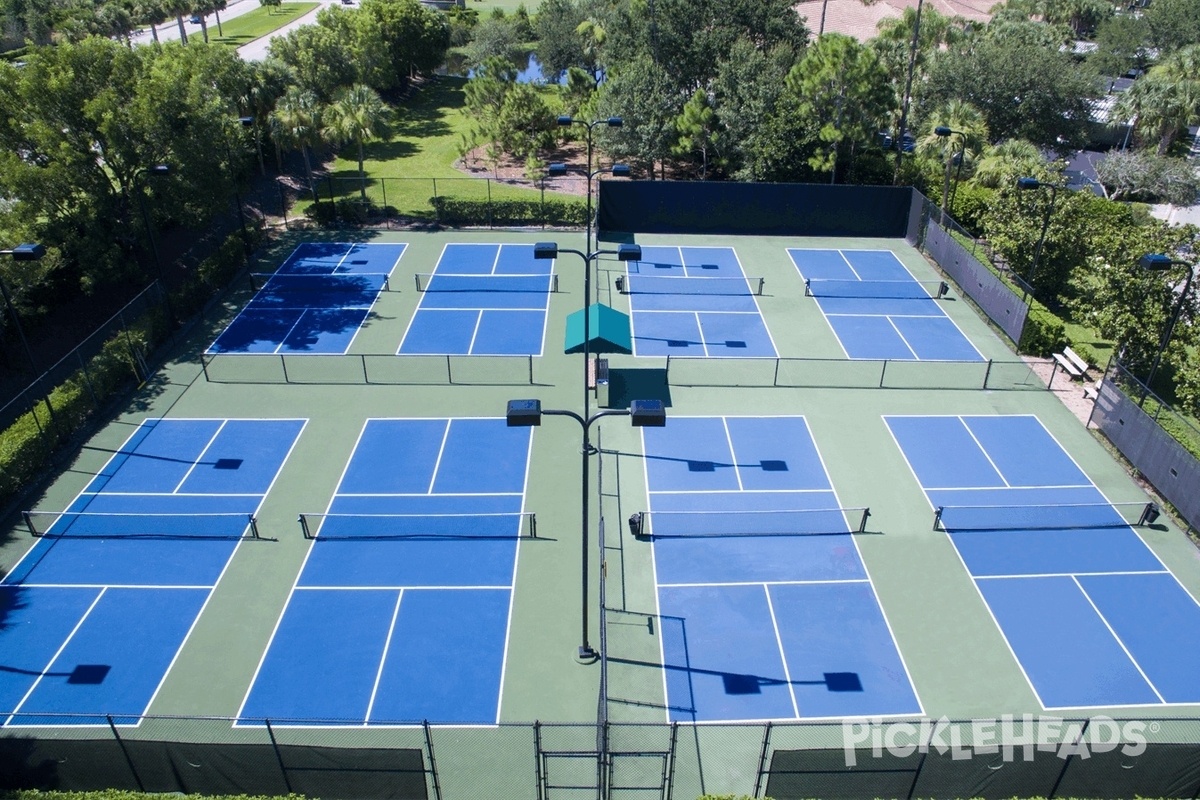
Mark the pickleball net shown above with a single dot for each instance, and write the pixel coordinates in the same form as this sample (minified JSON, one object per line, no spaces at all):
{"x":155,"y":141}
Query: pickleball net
{"x":368,"y":527}
{"x":699,"y":524}
{"x":636,"y":283}
{"x":1069,"y":516}
{"x":882,"y":290}
{"x":276,"y":288}
{"x":119,"y":525}
{"x":450,"y":282}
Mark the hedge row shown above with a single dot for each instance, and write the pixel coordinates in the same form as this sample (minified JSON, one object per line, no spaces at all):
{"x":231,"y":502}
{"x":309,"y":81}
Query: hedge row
{"x":28,"y":445}
{"x":553,"y":211}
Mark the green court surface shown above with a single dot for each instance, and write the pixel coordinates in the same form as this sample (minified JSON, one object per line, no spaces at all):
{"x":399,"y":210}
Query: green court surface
{"x":956,"y":657}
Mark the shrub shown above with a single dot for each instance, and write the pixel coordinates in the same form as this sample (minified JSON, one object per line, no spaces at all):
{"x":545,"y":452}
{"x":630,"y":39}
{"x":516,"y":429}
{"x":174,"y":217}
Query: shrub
{"x":1044,"y":333}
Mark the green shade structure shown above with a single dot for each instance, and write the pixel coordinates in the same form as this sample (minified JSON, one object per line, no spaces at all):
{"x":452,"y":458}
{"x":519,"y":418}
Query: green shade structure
{"x":608,"y":327}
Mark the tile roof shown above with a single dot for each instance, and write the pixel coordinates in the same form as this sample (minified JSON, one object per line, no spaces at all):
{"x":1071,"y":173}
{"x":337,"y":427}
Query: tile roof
{"x":854,"y":18}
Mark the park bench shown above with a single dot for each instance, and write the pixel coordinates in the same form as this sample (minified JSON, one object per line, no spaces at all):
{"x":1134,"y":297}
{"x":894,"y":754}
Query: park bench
{"x":1071,"y":363}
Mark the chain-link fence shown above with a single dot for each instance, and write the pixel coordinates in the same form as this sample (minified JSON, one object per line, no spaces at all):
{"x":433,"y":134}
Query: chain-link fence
{"x":961,"y":256}
{"x":851,"y":373}
{"x":1023,"y":755}
{"x":1157,"y":440}
{"x":355,"y":202}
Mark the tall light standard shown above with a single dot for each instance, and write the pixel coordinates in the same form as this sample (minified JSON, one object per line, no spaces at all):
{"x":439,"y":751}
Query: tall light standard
{"x":613,"y":122}
{"x":1028,"y":184}
{"x":624,"y":252}
{"x":641,"y":413}
{"x":945,"y":132}
{"x":558,"y":169}
{"x":22,"y":252}
{"x":245,"y":122}
{"x":1158,"y":262}
{"x":156,"y":171}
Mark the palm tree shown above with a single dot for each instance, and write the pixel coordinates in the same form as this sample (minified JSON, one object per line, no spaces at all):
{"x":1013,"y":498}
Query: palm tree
{"x":357,"y":115}
{"x":267,"y":82}
{"x":1166,"y":101}
{"x":1002,"y":164}
{"x":296,"y":124}
{"x":152,"y":13}
{"x":968,"y":137}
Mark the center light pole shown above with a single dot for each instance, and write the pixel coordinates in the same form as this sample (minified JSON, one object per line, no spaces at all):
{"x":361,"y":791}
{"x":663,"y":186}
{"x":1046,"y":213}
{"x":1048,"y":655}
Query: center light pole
{"x":642,"y":414}
{"x":624,"y":252}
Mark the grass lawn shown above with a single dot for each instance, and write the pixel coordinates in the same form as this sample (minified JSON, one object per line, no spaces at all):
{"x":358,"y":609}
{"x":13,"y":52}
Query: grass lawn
{"x":484,"y":7}
{"x":418,"y":162}
{"x":255,"y":24}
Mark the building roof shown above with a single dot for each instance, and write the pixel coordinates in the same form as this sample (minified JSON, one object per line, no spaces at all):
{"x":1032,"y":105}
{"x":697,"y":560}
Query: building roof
{"x":854,"y":18}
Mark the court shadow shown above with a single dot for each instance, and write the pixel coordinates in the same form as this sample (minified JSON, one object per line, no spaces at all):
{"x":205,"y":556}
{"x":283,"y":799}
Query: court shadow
{"x":628,"y":384}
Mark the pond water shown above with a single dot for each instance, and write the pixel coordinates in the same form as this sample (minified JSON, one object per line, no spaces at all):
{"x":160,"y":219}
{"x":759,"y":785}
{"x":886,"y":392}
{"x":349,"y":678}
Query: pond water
{"x":529,"y":71}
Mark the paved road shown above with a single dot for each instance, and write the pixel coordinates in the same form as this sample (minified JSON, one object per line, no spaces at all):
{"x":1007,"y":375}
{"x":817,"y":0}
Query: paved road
{"x":255,"y":51}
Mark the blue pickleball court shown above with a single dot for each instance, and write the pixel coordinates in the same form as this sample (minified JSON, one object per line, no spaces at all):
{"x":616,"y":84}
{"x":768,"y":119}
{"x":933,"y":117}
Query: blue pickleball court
{"x":401,"y":611}
{"x":877,"y":309}
{"x":1091,"y":614}
{"x":484,"y":300}
{"x":315,"y":302}
{"x":766,"y":608}
{"x":694,"y":301}
{"x":98,"y":609}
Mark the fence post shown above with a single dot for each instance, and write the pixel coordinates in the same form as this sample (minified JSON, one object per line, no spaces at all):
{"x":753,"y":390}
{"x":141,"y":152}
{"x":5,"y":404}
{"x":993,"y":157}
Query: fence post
{"x":762,"y":760}
{"x":1067,"y":761}
{"x":87,"y":378}
{"x":437,"y":786}
{"x":491,"y":217}
{"x":437,"y":214}
{"x":537,"y":759}
{"x":120,"y":743}
{"x":383,"y":185}
{"x":332,"y":203}
{"x":283,"y":205}
{"x":278,"y":756}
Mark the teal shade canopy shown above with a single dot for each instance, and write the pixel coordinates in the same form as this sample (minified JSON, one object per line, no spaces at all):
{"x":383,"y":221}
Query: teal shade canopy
{"x":608,"y":327}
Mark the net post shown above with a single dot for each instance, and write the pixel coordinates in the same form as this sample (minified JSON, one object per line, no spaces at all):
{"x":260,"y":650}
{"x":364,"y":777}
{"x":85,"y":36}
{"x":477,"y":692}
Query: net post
{"x":530,"y":358}
{"x":387,"y":286}
{"x":554,"y":282}
{"x":761,"y":283}
{"x":417,"y":280}
{"x":25,"y":515}
{"x":366,"y":376}
{"x":937,"y":518}
{"x":303,"y":520}
{"x":808,"y":287}
{"x":532,"y":525}
{"x":862,"y":523}
{"x":203,"y":368}
{"x":883,"y":373}
{"x":253,"y":526}
{"x":283,"y":366}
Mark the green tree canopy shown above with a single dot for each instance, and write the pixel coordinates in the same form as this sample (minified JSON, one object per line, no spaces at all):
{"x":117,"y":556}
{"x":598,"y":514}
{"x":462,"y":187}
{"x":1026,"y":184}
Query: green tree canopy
{"x":841,"y":85}
{"x":1025,"y":87}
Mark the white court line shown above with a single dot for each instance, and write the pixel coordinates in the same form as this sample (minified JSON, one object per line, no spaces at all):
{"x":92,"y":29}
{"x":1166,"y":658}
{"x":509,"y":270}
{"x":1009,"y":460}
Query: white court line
{"x":37,"y":681}
{"x":475,"y":332}
{"x":903,"y":340}
{"x":787,"y":673}
{"x":199,"y":457}
{"x":387,"y":645}
{"x":814,"y":582}
{"x":438,"y":461}
{"x":1117,"y":639}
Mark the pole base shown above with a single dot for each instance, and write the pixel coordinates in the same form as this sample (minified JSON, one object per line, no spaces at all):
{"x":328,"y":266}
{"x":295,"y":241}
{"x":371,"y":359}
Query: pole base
{"x":586,"y":655}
